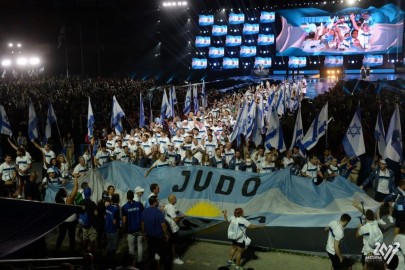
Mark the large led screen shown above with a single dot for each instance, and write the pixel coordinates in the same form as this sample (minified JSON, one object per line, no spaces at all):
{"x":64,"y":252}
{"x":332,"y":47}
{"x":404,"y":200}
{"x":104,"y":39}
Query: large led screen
{"x":312,"y":31}
{"x":373,"y":60}
{"x":199,"y":63}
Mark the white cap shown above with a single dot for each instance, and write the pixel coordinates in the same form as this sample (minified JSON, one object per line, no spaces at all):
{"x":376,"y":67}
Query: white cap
{"x":50,"y":170}
{"x":139,"y":189}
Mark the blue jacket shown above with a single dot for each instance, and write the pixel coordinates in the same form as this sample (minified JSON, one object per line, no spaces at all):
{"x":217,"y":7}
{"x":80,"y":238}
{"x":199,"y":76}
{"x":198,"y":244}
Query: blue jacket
{"x":375,"y":177}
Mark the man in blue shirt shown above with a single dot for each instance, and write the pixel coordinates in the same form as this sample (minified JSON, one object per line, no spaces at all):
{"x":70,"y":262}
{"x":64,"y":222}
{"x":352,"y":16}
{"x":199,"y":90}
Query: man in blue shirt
{"x":112,"y":223}
{"x":156,"y":232}
{"x":131,"y":221}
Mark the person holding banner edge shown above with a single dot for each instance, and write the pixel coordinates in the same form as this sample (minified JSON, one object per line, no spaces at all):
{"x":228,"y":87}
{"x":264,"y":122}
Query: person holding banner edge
{"x":239,"y":245}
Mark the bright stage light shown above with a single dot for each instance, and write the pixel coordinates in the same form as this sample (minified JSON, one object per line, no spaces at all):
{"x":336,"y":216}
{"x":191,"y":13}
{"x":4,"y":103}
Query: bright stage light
{"x":22,"y":61}
{"x":175,"y":4}
{"x":6,"y":62}
{"x":19,"y":45}
{"x":34,"y":61}
{"x":350,"y":2}
{"x":10,"y":45}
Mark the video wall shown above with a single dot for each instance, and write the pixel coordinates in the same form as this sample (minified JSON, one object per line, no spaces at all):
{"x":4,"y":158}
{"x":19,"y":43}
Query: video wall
{"x":232,"y":40}
{"x":237,"y":40}
{"x":311,"y":31}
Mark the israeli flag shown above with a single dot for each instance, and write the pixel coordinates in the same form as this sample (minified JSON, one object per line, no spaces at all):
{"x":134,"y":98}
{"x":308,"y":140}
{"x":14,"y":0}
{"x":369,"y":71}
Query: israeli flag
{"x":316,"y":130}
{"x":333,"y":61}
{"x":50,"y":120}
{"x":240,"y":125}
{"x":250,"y":29}
{"x":267,"y":17}
{"x":205,"y":20}
{"x":264,"y":40}
{"x":141,"y":112}
{"x":373,"y":60}
{"x":201,"y":41}
{"x":263,"y":61}
{"x":219,"y":30}
{"x":204,"y":95}
{"x":259,"y":125}
{"x":379,"y":134}
{"x":199,"y":63}
{"x":353,"y":141}
{"x":274,"y":135}
{"x":247,"y":51}
{"x":232,"y":41}
{"x":116,"y":115}
{"x":393,"y":150}
{"x":165,"y":110}
{"x":173,"y":93}
{"x":90,"y":121}
{"x":187,"y":102}
{"x":215,"y":52}
{"x":230,"y":63}
{"x":32,"y":123}
{"x":5,"y":127}
{"x":250,"y":121}
{"x":236,"y":18}
{"x":195,"y":101}
{"x":298,"y":134}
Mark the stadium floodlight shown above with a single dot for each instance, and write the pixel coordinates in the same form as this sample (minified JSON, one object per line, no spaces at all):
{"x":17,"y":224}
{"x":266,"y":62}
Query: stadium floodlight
{"x":10,"y":45}
{"x":350,"y":2}
{"x":175,"y":4}
{"x":22,"y":61}
{"x":19,"y":45}
{"x":6,"y":62}
{"x":34,"y":61}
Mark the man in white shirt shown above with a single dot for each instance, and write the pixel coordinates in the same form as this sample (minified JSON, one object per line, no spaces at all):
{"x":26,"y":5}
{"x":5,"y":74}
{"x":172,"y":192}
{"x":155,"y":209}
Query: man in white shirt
{"x":80,"y":168}
{"x":173,"y":217}
{"x":312,"y":170}
{"x":8,"y":177}
{"x":47,"y":153}
{"x":335,"y":231}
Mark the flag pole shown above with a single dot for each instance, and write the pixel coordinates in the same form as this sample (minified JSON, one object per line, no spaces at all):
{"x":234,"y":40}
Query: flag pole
{"x":60,"y":137}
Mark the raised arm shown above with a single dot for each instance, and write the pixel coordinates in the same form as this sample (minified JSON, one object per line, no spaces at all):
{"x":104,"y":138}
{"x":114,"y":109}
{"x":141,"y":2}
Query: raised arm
{"x":11,"y":143}
{"x":70,"y":199}
{"x":352,"y":16}
{"x":37,"y":145}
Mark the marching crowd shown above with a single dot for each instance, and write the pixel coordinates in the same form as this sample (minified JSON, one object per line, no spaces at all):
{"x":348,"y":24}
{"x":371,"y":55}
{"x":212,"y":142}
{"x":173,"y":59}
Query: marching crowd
{"x":200,"y":138}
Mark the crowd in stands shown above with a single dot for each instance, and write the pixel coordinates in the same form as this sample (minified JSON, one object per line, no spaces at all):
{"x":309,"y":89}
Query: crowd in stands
{"x":202,"y":138}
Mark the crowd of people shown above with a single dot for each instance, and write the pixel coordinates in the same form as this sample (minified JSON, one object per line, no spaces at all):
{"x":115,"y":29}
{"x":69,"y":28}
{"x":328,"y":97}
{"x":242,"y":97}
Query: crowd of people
{"x":200,"y":138}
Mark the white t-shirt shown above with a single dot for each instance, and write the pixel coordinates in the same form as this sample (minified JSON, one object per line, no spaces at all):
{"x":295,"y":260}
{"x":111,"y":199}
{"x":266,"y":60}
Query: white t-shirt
{"x":310,"y":169}
{"x":79,"y":169}
{"x":243,"y":224}
{"x":365,"y":232}
{"x":335,"y":233}
{"x":48,"y":156}
{"x":7,"y":171}
{"x":384,"y":183}
{"x":23,"y":163}
{"x":170,"y":214}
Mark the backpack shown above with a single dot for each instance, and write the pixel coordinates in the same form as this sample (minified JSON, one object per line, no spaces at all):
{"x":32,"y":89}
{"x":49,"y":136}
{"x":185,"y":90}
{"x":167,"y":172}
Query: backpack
{"x":84,"y":219}
{"x":375,"y":236}
{"x":234,"y":230}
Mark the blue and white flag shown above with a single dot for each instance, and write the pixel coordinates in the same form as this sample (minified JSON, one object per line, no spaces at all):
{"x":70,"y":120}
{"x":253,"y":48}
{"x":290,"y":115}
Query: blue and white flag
{"x":232,"y":41}
{"x":316,"y":130}
{"x":353,"y":141}
{"x":199,"y":63}
{"x":259,"y":125}
{"x":50,"y":120}
{"x":204,"y":96}
{"x":333,"y":61}
{"x":174,"y":95}
{"x":141,"y":112}
{"x":267,"y":17}
{"x":265,"y":40}
{"x":205,"y":20}
{"x":379,"y":134}
{"x":250,"y":121}
{"x":201,"y":42}
{"x":297,"y":62}
{"x":215,"y":52}
{"x":274,"y":134}
{"x":90,"y":121}
{"x":247,"y":51}
{"x":171,"y":112}
{"x":265,"y":62}
{"x":219,"y":30}
{"x":393,"y":150}
{"x":165,"y":109}
{"x":298,"y":134}
{"x":236,"y":18}
{"x":280,"y":102}
{"x":250,"y":29}
{"x":32,"y":123}
{"x":5,"y":127}
{"x":373,"y":60}
{"x":116,"y":115}
{"x":187,"y":101}
{"x":230,"y":63}
{"x":240,"y":124}
{"x":195,"y":101}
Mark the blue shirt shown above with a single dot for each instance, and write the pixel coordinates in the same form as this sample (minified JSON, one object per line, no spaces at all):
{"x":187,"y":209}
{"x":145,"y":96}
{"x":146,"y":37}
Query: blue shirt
{"x":153,"y":218}
{"x":133,"y":212}
{"x":112,"y":213}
